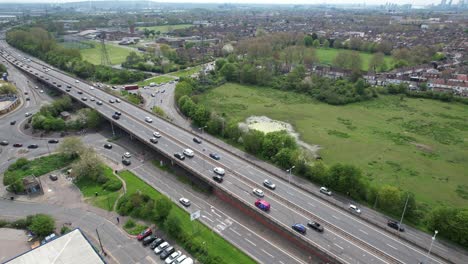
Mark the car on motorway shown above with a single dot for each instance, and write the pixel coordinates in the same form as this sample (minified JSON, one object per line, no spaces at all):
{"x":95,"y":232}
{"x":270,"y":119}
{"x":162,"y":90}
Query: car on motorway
{"x":215,"y":156}
{"x":396,"y":225}
{"x":299,"y":228}
{"x":76,"y":81}
{"x":159,"y":249}
{"x":144,"y":234}
{"x":316,"y":226}
{"x":153,"y":140}
{"x":69,"y":86}
{"x":153,"y":95}
{"x":167,"y":252}
{"x":188,"y":152}
{"x":108,"y":146}
{"x":126,"y":162}
{"x":117,"y":113}
{"x":53,"y":177}
{"x":172,"y":257}
{"x":80,"y":92}
{"x":179,"y":259}
{"x":156,"y":242}
{"x":184,"y":201}
{"x":258,"y":192}
{"x":270,"y":185}
{"x":325,"y":190}
{"x":148,"y":119}
{"x":28,"y":114}
{"x":148,"y":240}
{"x":111,"y":101}
{"x":197,"y":140}
{"x":218,"y":178}
{"x":116,"y":117}
{"x":127,"y":155}
{"x":59,"y":85}
{"x":92,"y":99}
{"x":28,"y":99}
{"x":353,"y":208}
{"x":4,"y":143}
{"x":91,"y":88}
{"x":117,"y":100}
{"x":68,"y":89}
{"x":84,"y":98}
{"x":26,"y":93}
{"x":263,"y":205}
{"x":33,"y":146}
{"x":99,"y":102}
{"x":41,"y":91}
{"x":13,"y":122}
{"x":219,"y":171}
{"x":156,"y":134}
{"x":53,"y":141}
{"x":179,"y":156}
{"x":17,"y":145}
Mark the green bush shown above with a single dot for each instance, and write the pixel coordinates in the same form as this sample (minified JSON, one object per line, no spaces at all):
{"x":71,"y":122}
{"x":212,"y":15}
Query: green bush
{"x":130,"y":224}
{"x":64,"y":230}
{"x":112,"y":185}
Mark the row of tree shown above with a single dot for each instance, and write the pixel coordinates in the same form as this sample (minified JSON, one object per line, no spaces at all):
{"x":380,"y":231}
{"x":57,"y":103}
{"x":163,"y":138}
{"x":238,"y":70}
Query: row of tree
{"x":40,"y":43}
{"x":40,"y":225}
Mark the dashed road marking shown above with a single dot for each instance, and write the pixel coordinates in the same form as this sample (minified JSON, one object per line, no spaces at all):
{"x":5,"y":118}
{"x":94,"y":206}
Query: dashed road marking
{"x":235,"y":232}
{"x":392,"y":246}
{"x":268,"y":253}
{"x":250,"y":242}
{"x":338,"y":246}
{"x":363,"y":231}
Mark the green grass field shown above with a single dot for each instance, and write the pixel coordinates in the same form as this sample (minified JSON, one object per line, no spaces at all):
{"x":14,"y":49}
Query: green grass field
{"x":416,"y":144}
{"x":214,"y":243}
{"x":187,"y":72}
{"x":117,"y":54}
{"x":157,"y":79}
{"x":326,"y":56}
{"x":166,"y":28}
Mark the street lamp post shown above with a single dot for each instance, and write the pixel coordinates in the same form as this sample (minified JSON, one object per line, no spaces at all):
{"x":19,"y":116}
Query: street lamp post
{"x":289,"y":171}
{"x":202,"y":129}
{"x":430,"y":247}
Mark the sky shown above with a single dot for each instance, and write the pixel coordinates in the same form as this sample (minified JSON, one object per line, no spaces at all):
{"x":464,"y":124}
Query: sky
{"x":414,"y":2}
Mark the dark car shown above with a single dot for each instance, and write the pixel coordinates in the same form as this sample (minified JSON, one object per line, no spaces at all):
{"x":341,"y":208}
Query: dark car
{"x":148,"y":240}
{"x":197,"y":140}
{"x":118,"y":113}
{"x":33,"y":146}
{"x":156,"y":243}
{"x":28,"y":99}
{"x":215,"y":156}
{"x":218,"y":178}
{"x":116,"y":117}
{"x":316,"y":226}
{"x":269,"y":184}
{"x":12,"y":123}
{"x":69,"y":86}
{"x":168,"y":251}
{"x":80,"y":92}
{"x":179,"y":156}
{"x":53,"y":141}
{"x":153,"y":140}
{"x":108,"y":146}
{"x":396,"y":225}
{"x":53,"y":177}
{"x":126,"y":162}
{"x":299,"y":228}
{"x":144,"y":234}
{"x":68,"y":90}
{"x":17,"y":145}
{"x":4,"y":143}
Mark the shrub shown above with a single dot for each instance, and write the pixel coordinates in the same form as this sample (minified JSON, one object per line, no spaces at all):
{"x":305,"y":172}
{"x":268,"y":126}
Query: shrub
{"x":112,"y":185}
{"x":130,"y":224}
{"x":42,"y":225}
{"x":64,"y":230}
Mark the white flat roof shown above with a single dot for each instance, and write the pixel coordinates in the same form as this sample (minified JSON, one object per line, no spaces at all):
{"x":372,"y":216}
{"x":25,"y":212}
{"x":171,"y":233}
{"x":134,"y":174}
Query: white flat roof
{"x":71,"y":248}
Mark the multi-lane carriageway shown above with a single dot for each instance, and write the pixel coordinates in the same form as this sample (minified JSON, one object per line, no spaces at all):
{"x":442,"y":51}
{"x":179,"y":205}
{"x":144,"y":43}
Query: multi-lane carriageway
{"x":347,"y":238}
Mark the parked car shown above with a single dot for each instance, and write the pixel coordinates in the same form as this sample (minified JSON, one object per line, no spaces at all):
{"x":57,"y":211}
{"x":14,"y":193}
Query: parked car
{"x":179,"y":259}
{"x":144,"y":234}
{"x":167,"y":252}
{"x":258,"y":192}
{"x":158,"y":250}
{"x":184,"y":201}
{"x":396,"y":225}
{"x":219,"y":171}
{"x":84,"y":98}
{"x":108,"y":146}
{"x":79,"y":92}
{"x":353,"y":208}
{"x":53,"y":141}
{"x":179,"y":156}
{"x":189,"y":153}
{"x":156,"y":242}
{"x":218,"y":178}
{"x":215,"y":156}
{"x":197,"y":140}
{"x":186,"y":261}
{"x":270,"y":185}
{"x":148,"y":240}
{"x":316,"y":226}
{"x":53,"y":177}
{"x":324,"y":190}
{"x":172,"y":257}
{"x":299,"y":228}
{"x":263,"y":205}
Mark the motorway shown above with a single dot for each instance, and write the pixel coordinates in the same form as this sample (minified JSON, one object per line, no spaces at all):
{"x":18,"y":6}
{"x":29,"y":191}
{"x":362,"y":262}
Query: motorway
{"x":348,"y":238}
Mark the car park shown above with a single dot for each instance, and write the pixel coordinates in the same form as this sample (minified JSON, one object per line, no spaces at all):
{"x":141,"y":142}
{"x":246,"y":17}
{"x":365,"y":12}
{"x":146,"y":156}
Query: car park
{"x":258,"y":192}
{"x":159,"y":249}
{"x":316,"y":226}
{"x":215,"y":156}
{"x":219,"y":171}
{"x":184,"y":201}
{"x":325,"y":190}
{"x":299,"y":228}
{"x":53,"y":177}
{"x":153,"y":140}
{"x":156,"y":242}
{"x":353,"y":208}
{"x":108,"y":146}
{"x":148,"y":240}
{"x":126,"y":162}
{"x":188,"y":152}
{"x":156,"y":134}
{"x":33,"y":146}
{"x":172,"y":257}
{"x":148,"y":119}
{"x":166,"y":252}
{"x":270,"y":185}
{"x":263,"y":205}
{"x":396,"y":225}
{"x":17,"y":145}
{"x":144,"y":234}
{"x":218,"y":178}
{"x":179,"y":155}
{"x":197,"y":140}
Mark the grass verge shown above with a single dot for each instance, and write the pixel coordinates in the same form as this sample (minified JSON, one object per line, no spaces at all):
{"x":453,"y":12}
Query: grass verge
{"x":133,"y":228}
{"x":166,"y":28}
{"x":186,"y":72}
{"x":157,"y":79}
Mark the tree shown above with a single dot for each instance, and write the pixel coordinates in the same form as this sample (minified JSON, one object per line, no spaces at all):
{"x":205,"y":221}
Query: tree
{"x":385,"y":47}
{"x":316,"y":43}
{"x":173,"y":224}
{"x":377,"y":62}
{"x":162,"y":208}
{"x":42,"y":225}
{"x":355,"y":43}
{"x":230,"y":72}
{"x":326,"y":44}
{"x":89,"y":166}
{"x":252,"y":141}
{"x":308,"y":40}
{"x":71,"y":147}
{"x":346,"y":179}
{"x":389,"y":198}
{"x":7,"y":89}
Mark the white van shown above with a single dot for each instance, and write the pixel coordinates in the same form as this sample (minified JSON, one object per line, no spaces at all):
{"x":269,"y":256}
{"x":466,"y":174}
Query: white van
{"x":188,"y":152}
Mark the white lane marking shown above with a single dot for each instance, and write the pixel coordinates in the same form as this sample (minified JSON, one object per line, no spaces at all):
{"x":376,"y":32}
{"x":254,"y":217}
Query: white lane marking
{"x":205,"y":212}
{"x":250,"y":242}
{"x":338,"y":246}
{"x":229,"y":182}
{"x":207,"y":218}
{"x":363,"y":231}
{"x":216,"y":214}
{"x":311,"y":205}
{"x":336,"y":217}
{"x":392,"y":246}
{"x":268,"y":253}
{"x":235,"y":232}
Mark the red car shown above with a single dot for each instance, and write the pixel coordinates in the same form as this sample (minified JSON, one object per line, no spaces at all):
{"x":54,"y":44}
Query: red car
{"x":144,"y":234}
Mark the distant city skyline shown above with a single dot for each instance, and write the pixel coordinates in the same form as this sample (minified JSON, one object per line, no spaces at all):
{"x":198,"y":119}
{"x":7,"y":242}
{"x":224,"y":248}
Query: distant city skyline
{"x":368,"y":2}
